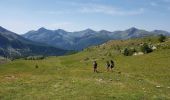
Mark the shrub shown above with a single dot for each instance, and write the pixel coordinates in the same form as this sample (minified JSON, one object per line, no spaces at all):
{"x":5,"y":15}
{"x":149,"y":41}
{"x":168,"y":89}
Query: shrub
{"x":162,"y":38}
{"x":145,"y":48}
{"x":128,"y":52}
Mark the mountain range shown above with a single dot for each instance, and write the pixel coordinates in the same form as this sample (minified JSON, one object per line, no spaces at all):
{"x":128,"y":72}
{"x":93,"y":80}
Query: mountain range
{"x":59,"y":42}
{"x":82,"y":39}
{"x":13,"y":45}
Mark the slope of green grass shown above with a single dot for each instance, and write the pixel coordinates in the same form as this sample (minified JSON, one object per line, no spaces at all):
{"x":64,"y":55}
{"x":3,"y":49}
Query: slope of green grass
{"x":144,"y":77}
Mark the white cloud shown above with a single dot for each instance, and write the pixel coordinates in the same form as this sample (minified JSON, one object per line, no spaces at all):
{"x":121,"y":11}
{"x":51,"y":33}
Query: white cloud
{"x":54,"y":12}
{"x":109,"y":10}
{"x":95,"y":8}
{"x":59,"y":25}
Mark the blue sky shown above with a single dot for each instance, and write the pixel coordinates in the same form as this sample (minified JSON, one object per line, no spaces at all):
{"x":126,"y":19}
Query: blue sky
{"x":21,"y":16}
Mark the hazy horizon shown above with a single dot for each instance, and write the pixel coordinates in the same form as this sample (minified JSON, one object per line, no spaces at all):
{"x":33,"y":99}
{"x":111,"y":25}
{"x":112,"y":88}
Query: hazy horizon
{"x":23,"y":16}
{"x":84,"y":29}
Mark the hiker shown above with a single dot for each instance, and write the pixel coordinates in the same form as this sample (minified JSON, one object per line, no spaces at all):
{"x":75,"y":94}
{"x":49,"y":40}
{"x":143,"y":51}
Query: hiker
{"x":108,"y":65}
{"x":112,"y":65}
{"x":95,"y":66}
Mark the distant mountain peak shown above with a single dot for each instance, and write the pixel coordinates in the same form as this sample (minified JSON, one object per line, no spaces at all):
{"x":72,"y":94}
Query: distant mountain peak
{"x":79,"y":40}
{"x":7,"y":32}
{"x":161,"y":32}
{"x":20,"y":46}
{"x":60,"y":30}
{"x":132,"y":30}
{"x":104,"y":31}
{"x":42,"y":29}
{"x":88,"y":30}
{"x":2,"y":29}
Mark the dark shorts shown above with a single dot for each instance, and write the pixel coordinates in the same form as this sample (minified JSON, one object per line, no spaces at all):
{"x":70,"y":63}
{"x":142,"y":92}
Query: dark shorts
{"x":95,"y":67}
{"x":112,"y":66}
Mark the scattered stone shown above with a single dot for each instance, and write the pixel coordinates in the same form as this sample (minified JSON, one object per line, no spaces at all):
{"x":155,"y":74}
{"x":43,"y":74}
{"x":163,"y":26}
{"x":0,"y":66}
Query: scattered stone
{"x":140,"y":80}
{"x":138,"y":53}
{"x":100,"y":80}
{"x":10,"y":77}
{"x":154,"y":47}
{"x":158,"y":86}
{"x":168,"y":87}
{"x":73,"y":81}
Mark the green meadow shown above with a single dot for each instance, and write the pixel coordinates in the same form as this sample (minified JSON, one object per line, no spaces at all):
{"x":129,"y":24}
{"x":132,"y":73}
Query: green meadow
{"x":71,"y":77}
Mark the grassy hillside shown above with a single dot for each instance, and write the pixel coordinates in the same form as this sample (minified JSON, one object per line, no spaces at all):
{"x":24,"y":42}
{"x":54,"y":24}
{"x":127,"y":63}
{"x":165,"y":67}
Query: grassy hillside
{"x":144,"y":77}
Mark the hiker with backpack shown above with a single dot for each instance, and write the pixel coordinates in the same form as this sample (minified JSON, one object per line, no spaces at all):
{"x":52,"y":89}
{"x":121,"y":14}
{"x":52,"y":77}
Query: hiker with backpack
{"x":112,"y":65}
{"x":107,"y":65}
{"x":95,"y":66}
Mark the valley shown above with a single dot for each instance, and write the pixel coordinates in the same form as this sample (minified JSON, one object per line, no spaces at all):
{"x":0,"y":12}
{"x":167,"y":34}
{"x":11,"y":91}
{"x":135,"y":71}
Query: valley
{"x":71,"y":77}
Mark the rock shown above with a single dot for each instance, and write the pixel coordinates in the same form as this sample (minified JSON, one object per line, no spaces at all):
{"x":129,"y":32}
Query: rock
{"x":154,"y":47}
{"x":158,"y":86}
{"x":140,"y":80}
{"x":138,"y":53}
{"x":10,"y":77}
{"x":73,"y":81}
{"x":110,"y":80}
{"x":100,"y":80}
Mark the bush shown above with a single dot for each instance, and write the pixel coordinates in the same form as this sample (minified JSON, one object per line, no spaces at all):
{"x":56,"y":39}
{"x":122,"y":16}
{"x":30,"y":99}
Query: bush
{"x":128,"y":52}
{"x":145,"y":48}
{"x":162,"y":38}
